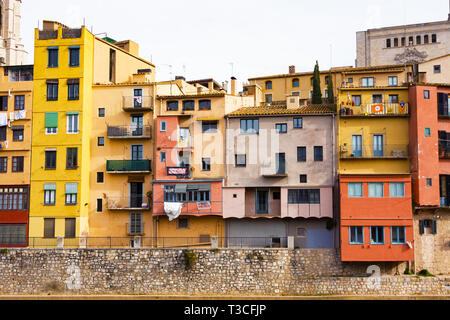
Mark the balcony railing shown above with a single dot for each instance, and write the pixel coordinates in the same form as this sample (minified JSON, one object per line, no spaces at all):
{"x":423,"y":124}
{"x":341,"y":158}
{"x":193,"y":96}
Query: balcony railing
{"x":129,"y":132}
{"x":126,"y":166}
{"x":391,"y":151}
{"x":135,"y":202}
{"x":134,"y":104}
{"x":376,"y":109}
{"x":444,"y":151}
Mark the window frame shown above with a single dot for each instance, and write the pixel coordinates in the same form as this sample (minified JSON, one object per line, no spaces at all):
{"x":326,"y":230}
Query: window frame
{"x":72,"y":120}
{"x":19,"y":132}
{"x":254,"y":128}
{"x":365,"y":83}
{"x":186,"y":104}
{"x":281,"y":127}
{"x":169,"y":103}
{"x":48,"y":159}
{"x":301,"y":159}
{"x":295,"y":83}
{"x":200,"y":102}
{"x":318,"y":157}
{"x":206,"y":164}
{"x":241,"y":164}
{"x":163,"y":123}
{"x":375,"y":184}
{"x":397,"y":241}
{"x":49,"y":56}
{"x":392,"y":83}
{"x":73,"y":91}
{"x":19,"y":102}
{"x":49,"y":200}
{"x":100,"y":176}
{"x":71,"y":60}
{"x":52,"y":91}
{"x":393,"y":187}
{"x":99,"y":143}
{"x":71,"y":158}
{"x":355,"y":231}
{"x":210,"y":126}
{"x":296,"y":121}
{"x":354,"y":184}
{"x":377,"y":228}
{"x":17,"y":164}
{"x":268,"y":84}
{"x":101,"y":112}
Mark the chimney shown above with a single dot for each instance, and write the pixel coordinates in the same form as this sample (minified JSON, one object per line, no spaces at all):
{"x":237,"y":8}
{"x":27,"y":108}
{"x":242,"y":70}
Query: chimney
{"x":291,"y":69}
{"x":233,"y":86}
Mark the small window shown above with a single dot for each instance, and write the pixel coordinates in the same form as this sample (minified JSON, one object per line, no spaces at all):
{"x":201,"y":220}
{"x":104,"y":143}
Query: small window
{"x":393,"y":81}
{"x":72,"y":159}
{"x":429,"y":182}
{"x":295,"y":83}
{"x":303,"y":178}
{"x":53,"y":57}
{"x":74,"y":57}
{"x":377,"y":98}
{"x":376,"y":190}
{"x":50,"y":160}
{"x":418,"y":40}
{"x":73,"y":91}
{"x":18,"y":135}
{"x":356,"y":100}
{"x":101,"y":112}
{"x":206,"y":164}
{"x":19,"y":102}
{"x":397,"y":189}
{"x":427,"y":132}
{"x":426,"y":94}
{"x":162,"y":156}
{"x":356,"y":235}
{"x":398,"y":235}
{"x":281,"y":127}
{"x":377,"y":235}
{"x":395,"y":42}
{"x":433,"y":38}
{"x":318,"y":153}
{"x":101,"y":141}
{"x":3,"y":103}
{"x":99,"y":205}
{"x":52,"y":91}
{"x":162,"y":126}
{"x":240,"y":160}
{"x":234,"y":196}
{"x":183,"y":223}
{"x":189,"y":105}
{"x":209,"y":126}
{"x":172,"y":105}
{"x":437,"y":68}
{"x":204,"y":105}
{"x":393,"y":98}
{"x":355,"y":190}
{"x":276,"y":195}
{"x":426,"y":39}
{"x":268,"y":98}
{"x":350,"y":80}
{"x":268,"y":85}
{"x":388,"y":43}
{"x":17,"y":164}
{"x":301,"y":154}
{"x":100,"y":177}
{"x":298,"y":123}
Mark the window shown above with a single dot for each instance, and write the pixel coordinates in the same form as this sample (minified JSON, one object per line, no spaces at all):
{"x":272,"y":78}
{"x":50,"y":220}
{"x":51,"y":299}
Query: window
{"x":183,"y":223}
{"x":388,"y":43}
{"x":298,"y":123}
{"x":206,"y":164}
{"x":304,"y":196}
{"x":3,"y":164}
{"x":74,"y":57}
{"x":367,"y":82}
{"x":295,"y":83}
{"x":112,"y":65}
{"x":172,"y":105}
{"x":99,"y":205}
{"x":303,"y":178}
{"x":100,"y":177}
{"x":268,"y":98}
{"x":53,"y":53}
{"x":240,"y":160}
{"x":376,"y":190}
{"x":377,"y":98}
{"x":262,"y":202}
{"x":427,"y":224}
{"x":356,"y":235}
{"x":51,"y":122}
{"x":136,"y":226}
{"x":101,"y":141}
{"x":3,"y":103}
{"x":162,"y":126}
{"x":19,"y":102}
{"x":268,"y":85}
{"x":411,"y":40}
{"x":70,"y":228}
{"x":393,"y":98}
{"x":17,"y":134}
{"x":356,"y":100}
{"x":395,"y":42}
{"x":73,"y":86}
{"x":357,"y":145}
{"x":101,"y":112}
{"x":13,"y":198}
{"x":426,"y":94}
{"x":437,"y":68}
{"x":426,"y":39}
{"x":312,"y":82}
{"x":397,"y":189}
{"x":49,"y":227}
{"x":403,"y":41}
{"x":50,"y":160}
{"x":318,"y":153}
{"x":72,"y":122}
{"x":249,"y":125}
{"x":433,"y":38}
{"x":301,"y":232}
{"x":301,"y":154}
{"x":429,"y":182}
{"x":276,"y":195}
{"x":52,"y":90}
{"x":72,"y":158}
{"x":162,"y":156}
{"x":427,"y":132}
{"x":377,"y":235}
{"x":71,"y":194}
{"x":49,"y":194}
{"x":3,"y":133}
{"x":326,"y":93}
{"x":204,"y":105}
{"x":393,"y":81}
{"x":188,"y":105}
{"x":281,"y":127}
{"x":398,"y":235}
{"x":443,"y":104}
{"x":17,"y":164}
{"x":418,"y":40}
{"x":209,"y":126}
{"x":350,"y":80}
{"x":355,"y":190}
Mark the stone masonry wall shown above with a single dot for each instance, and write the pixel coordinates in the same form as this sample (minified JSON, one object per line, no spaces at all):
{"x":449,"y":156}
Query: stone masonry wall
{"x":211,"y":272}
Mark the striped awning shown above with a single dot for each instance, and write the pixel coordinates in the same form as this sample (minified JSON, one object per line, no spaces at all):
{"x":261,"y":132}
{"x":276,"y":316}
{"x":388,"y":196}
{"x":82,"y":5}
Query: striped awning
{"x":49,"y":186}
{"x":71,"y":188}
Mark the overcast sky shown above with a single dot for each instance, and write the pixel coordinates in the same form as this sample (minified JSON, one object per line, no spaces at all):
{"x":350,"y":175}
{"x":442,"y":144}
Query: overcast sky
{"x":201,"y":38}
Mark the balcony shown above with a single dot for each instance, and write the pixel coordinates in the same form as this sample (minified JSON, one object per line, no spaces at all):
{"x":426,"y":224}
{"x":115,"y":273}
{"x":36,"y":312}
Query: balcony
{"x":128,"y":166}
{"x":129,"y":132}
{"x":135,"y":202}
{"x":371,"y":152}
{"x":376,"y":110}
{"x":444,"y":152}
{"x":137,"y":104}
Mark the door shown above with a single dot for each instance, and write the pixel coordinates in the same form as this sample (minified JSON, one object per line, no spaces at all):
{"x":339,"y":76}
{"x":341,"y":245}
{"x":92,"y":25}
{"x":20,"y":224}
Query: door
{"x":281,"y":163}
{"x":262,"y":201}
{"x":136,"y":190}
{"x":137,"y":98}
{"x":357,"y":145}
{"x":378,"y":145}
{"x":137,"y":125}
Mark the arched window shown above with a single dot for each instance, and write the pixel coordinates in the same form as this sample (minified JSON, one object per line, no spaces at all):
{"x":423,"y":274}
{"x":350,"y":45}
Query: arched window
{"x":295,"y":83}
{"x":268,"y":85}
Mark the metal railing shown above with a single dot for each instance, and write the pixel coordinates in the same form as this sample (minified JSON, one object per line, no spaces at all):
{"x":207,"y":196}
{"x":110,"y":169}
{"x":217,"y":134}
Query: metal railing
{"x":131,"y":132}
{"x":142,"y":103}
{"x":205,"y":241}
{"x":390,"y":151}
{"x":215,"y":207}
{"x":133,"y":202}
{"x":128,"y":166}
{"x":444,"y":150}
{"x":376,"y":109}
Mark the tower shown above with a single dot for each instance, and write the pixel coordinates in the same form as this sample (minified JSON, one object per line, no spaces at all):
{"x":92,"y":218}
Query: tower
{"x":12,"y":51}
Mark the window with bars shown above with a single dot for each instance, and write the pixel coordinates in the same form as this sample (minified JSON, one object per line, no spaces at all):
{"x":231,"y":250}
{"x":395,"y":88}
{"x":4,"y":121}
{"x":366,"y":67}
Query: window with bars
{"x":13,"y":198}
{"x":17,"y":164}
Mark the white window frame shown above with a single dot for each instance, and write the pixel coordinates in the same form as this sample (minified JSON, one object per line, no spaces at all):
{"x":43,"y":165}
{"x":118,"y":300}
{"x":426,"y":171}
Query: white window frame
{"x":48,"y":131}
{"x":49,"y":197}
{"x":71,"y":119}
{"x":161,"y":126}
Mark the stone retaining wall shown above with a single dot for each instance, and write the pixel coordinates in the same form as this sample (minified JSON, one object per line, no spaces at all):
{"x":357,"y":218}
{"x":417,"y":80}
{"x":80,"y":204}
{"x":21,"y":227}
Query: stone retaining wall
{"x":200,"y":272}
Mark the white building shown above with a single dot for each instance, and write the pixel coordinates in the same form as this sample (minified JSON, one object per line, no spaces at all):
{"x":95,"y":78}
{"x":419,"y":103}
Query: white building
{"x":12,"y":51}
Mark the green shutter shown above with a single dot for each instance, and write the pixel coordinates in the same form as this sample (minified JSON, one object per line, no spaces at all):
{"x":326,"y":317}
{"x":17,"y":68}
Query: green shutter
{"x":70,"y":113}
{"x":421,"y":227}
{"x":71,"y":188}
{"x":49,"y":186}
{"x":51,"y":119}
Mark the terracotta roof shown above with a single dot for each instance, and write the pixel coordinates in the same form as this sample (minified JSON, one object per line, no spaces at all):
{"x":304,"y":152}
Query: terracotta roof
{"x":268,"y":111}
{"x":429,"y":84}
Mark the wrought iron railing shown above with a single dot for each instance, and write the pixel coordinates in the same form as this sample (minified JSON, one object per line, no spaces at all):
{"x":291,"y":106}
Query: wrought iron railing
{"x":128,"y":166}
{"x":132,"y":132}
{"x":376,"y":109}
{"x":140,"y":103}
{"x":132,"y":202}
{"x":390,"y":151}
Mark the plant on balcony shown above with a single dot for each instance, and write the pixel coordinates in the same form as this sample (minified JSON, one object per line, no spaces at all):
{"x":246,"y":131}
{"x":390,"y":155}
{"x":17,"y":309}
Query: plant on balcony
{"x":316,"y":94}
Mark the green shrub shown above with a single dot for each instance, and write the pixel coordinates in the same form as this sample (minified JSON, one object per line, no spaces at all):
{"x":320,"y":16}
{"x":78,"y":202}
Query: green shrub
{"x":4,"y":251}
{"x":190,"y":257}
{"x":425,"y":273}
{"x":408,"y":271}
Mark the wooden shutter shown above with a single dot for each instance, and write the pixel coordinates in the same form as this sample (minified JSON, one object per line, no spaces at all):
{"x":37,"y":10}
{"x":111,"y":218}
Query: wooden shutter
{"x":434,"y":227}
{"x":421,"y":227}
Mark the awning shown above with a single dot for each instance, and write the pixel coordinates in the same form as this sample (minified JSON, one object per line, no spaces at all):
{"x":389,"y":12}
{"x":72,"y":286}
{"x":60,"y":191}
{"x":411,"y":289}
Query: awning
{"x":204,"y":187}
{"x":51,"y":119}
{"x":192,"y":186}
{"x":72,"y":188}
{"x":17,"y":127}
{"x":71,"y":113}
{"x":73,"y":81}
{"x":49,"y":186}
{"x":180,"y":188}
{"x":54,"y":81}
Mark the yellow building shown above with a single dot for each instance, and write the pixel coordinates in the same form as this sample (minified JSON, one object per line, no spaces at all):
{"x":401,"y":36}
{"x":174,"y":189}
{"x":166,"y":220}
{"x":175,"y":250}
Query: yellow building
{"x":68,"y":62}
{"x":16,"y":90}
